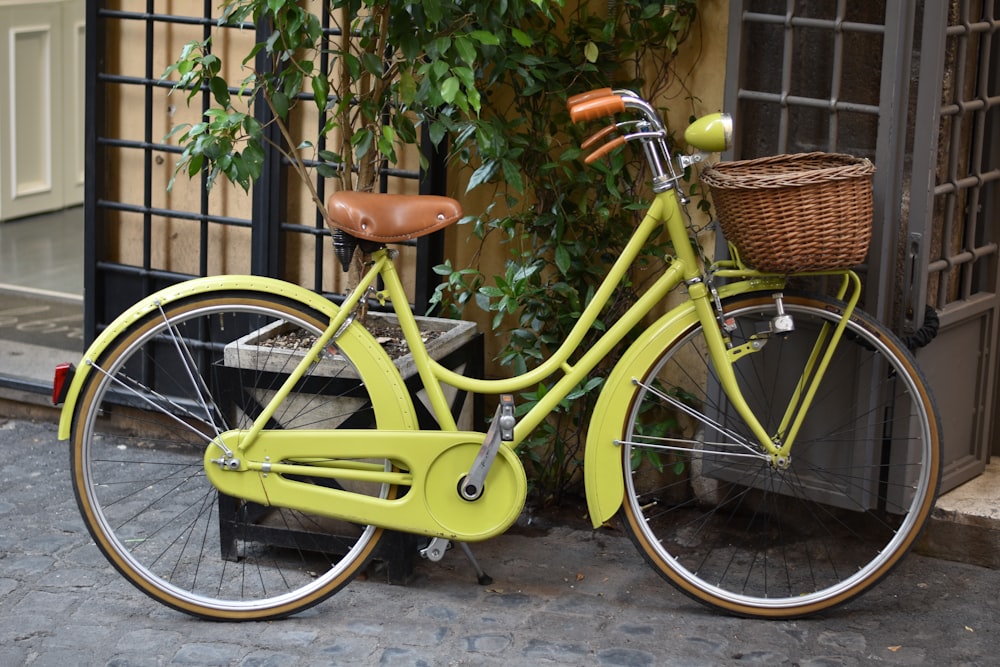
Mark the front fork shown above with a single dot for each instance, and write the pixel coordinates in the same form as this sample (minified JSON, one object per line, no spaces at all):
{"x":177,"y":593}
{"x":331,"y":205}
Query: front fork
{"x":777,"y":445}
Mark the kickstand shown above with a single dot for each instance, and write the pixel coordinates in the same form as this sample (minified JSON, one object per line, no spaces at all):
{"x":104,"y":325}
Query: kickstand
{"x":484,"y":579}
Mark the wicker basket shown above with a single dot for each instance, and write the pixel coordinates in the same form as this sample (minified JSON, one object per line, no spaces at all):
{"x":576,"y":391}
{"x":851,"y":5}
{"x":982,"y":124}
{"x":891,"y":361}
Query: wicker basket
{"x":790,"y":213}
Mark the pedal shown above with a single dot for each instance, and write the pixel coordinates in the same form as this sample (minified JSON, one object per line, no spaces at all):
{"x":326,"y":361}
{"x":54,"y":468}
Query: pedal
{"x":501,"y":430}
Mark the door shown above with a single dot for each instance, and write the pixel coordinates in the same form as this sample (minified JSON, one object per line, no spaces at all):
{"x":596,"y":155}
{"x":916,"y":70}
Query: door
{"x":863,"y":77}
{"x":950,"y":261}
{"x":41,"y":106}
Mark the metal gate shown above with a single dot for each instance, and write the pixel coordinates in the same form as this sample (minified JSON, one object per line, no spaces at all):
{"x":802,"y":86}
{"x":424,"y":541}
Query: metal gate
{"x":860,"y":77}
{"x":138,"y":237}
{"x":950,"y":260}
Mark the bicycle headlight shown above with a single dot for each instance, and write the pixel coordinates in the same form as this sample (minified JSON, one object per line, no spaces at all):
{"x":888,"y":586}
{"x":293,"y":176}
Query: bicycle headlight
{"x":712,"y":133}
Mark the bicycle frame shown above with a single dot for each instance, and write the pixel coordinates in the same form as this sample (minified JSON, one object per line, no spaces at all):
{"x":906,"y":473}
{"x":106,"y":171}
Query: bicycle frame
{"x":238,"y":478}
{"x":685,"y":267}
{"x":247,"y":451}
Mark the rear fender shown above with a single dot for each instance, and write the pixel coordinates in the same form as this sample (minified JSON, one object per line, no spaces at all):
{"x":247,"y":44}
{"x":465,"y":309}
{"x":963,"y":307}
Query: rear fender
{"x":372,"y":361}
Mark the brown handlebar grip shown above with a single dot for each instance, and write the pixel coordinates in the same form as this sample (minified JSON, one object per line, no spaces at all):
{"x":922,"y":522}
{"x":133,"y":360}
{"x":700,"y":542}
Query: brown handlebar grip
{"x":589,"y":95}
{"x":597,"y":136}
{"x":597,"y":108}
{"x":604,"y":150}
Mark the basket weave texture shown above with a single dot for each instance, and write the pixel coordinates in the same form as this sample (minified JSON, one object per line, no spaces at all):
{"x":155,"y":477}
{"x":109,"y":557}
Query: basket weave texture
{"x":799,"y":212}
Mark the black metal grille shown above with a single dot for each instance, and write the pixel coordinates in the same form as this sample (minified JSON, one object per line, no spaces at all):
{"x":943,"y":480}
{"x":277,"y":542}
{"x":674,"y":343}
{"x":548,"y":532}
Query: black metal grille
{"x":138,"y":238}
{"x":954,"y":228}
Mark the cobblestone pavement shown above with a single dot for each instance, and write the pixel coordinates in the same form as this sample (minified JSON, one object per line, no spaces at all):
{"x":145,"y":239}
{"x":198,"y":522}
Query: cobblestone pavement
{"x":562,"y":596}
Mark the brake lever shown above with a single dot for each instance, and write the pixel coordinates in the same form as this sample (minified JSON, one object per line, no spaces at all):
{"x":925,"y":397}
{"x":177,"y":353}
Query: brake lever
{"x":598,"y":136}
{"x":619,"y":141}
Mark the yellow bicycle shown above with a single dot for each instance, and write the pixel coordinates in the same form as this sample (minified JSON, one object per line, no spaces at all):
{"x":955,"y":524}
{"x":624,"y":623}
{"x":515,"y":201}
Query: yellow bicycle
{"x":771,"y":453}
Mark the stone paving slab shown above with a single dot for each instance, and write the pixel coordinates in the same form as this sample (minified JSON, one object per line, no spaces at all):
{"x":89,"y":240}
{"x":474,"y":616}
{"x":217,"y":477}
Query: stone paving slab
{"x":560,"y":596}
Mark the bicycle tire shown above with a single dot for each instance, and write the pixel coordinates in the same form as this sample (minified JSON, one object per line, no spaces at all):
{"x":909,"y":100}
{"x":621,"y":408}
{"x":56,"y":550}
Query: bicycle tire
{"x":737,"y":533}
{"x":159,"y":392}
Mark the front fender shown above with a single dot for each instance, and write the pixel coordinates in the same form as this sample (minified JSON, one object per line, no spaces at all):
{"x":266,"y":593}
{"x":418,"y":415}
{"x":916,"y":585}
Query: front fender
{"x":603,"y":470}
{"x":382,"y":366}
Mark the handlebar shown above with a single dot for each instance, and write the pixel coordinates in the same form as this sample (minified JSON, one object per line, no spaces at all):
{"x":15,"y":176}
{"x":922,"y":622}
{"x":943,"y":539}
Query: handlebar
{"x":709,"y":134}
{"x":646,"y":126}
{"x":596,"y":107}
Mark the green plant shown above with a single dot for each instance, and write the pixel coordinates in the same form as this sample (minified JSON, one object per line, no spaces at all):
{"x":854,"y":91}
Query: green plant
{"x":562,"y":221}
{"x":378,"y":71}
{"x":491,"y":77}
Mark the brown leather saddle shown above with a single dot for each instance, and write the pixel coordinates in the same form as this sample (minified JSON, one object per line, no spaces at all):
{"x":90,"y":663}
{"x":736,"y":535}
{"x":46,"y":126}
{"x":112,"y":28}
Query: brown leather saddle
{"x":372,"y":219}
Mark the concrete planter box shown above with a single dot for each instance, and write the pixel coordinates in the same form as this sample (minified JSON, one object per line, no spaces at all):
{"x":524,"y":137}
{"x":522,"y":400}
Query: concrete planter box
{"x":257,"y":351}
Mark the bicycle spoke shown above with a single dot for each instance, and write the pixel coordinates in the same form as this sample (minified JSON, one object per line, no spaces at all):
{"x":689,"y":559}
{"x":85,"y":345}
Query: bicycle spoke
{"x":734,"y":529}
{"x":162,"y":392}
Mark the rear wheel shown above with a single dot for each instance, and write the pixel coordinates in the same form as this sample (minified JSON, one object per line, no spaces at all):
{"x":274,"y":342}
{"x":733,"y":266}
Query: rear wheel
{"x":159,"y":393}
{"x":712,"y":514}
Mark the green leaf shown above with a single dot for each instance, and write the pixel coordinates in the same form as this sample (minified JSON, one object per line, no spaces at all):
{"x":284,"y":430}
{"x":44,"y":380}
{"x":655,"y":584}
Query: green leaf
{"x":522,"y":38}
{"x":372,"y":63}
{"x":483,"y":174}
{"x":450,"y":88}
{"x":280,"y":102}
{"x":195,"y":164}
{"x":591,"y":52}
{"x":433,"y":11}
{"x":563,"y":259}
{"x":466,"y":50}
{"x":330,"y":156}
{"x":220,"y":91}
{"x":512,"y":174}
{"x":362,"y":142}
{"x":487,"y":38}
{"x":327,"y":170}
{"x":321,"y":90}
{"x":407,"y":87}
{"x":438,"y":131}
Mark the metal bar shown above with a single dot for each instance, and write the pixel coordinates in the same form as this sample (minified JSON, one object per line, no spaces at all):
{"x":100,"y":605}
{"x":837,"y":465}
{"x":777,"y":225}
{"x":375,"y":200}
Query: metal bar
{"x":833,"y":119}
{"x":952,"y":199}
{"x":806,"y":22}
{"x":171,"y":213}
{"x":265,"y":240}
{"x":164,"y":18}
{"x":925,"y":150}
{"x":811,"y":102}
{"x":147,"y":158}
{"x":890,"y":151}
{"x":964,"y":257}
{"x":733,"y":92}
{"x":206,"y":101}
{"x":786,"y":76}
{"x":94,"y":181}
{"x":148,"y":275}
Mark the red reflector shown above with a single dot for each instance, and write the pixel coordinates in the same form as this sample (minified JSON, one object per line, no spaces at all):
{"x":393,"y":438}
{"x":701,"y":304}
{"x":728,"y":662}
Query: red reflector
{"x":61,"y":382}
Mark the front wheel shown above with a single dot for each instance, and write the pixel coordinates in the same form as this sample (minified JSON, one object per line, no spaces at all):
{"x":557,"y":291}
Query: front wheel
{"x":718,"y":519}
{"x":159,"y":394}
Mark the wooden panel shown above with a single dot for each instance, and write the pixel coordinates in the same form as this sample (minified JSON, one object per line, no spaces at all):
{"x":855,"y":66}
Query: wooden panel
{"x":73,"y":105}
{"x":959,"y":368}
{"x":30,"y":47}
{"x":29,"y":91}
